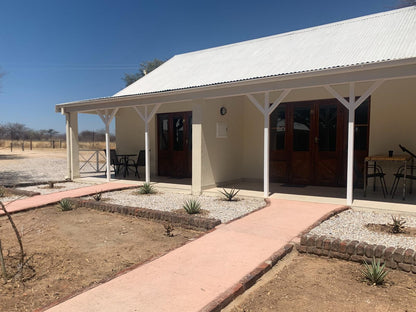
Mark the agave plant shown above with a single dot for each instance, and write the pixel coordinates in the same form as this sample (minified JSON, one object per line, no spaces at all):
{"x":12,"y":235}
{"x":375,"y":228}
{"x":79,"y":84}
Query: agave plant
{"x":398,"y":225}
{"x":97,"y":196}
{"x":192,"y":206}
{"x":65,"y":204}
{"x":229,"y":195}
{"x":374,"y":272}
{"x":147,"y":188}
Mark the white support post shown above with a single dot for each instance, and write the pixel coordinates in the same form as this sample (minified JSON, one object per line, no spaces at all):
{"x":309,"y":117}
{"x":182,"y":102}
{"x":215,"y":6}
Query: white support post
{"x":68,"y":146}
{"x":147,"y":118}
{"x":146,"y":146}
{"x":266,"y":110}
{"x":350,"y":153}
{"x":351,"y":105}
{"x":107,"y":116}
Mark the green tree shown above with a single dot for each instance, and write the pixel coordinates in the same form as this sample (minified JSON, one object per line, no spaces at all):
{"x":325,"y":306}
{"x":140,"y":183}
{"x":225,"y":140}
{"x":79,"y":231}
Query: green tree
{"x":406,"y":3}
{"x":144,"y":69}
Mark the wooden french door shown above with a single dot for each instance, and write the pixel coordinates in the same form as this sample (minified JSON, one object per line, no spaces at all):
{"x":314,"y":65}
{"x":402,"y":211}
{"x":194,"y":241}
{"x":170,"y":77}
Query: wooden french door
{"x":307,"y":143}
{"x":175,"y":144}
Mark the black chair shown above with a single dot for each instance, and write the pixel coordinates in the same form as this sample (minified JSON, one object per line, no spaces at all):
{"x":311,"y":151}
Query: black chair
{"x":400,"y":172}
{"x":115,"y":161}
{"x":140,"y":162}
{"x":375,"y":171}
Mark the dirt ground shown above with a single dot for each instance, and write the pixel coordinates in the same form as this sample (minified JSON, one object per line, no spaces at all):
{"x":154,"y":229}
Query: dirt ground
{"x":75,"y":249}
{"x":310,"y":283}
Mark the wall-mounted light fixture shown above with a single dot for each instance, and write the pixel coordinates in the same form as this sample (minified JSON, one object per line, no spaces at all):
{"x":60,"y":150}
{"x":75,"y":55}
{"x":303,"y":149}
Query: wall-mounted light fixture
{"x":223,"y":111}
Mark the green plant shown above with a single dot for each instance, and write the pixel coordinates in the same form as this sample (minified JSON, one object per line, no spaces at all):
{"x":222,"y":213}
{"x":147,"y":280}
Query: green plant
{"x":398,"y":225}
{"x":147,"y":188}
{"x":2,"y":191}
{"x":374,"y":272}
{"x":97,"y":196}
{"x":192,"y":206}
{"x":169,"y":229}
{"x":229,"y":195}
{"x":65,"y":204}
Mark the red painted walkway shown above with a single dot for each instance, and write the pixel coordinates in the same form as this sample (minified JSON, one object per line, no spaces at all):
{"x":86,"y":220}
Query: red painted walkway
{"x":194,"y":275}
{"x":47,"y":199}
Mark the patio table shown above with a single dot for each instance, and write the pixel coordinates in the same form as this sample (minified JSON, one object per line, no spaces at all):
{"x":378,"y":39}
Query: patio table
{"x":398,"y":158}
{"x":125,"y":160}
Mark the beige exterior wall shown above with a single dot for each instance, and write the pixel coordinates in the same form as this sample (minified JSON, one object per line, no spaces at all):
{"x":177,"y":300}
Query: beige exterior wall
{"x":240,"y":155}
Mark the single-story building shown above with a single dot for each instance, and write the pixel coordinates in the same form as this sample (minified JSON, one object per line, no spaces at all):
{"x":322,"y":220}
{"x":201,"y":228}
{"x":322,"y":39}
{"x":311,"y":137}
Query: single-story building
{"x":304,"y":107}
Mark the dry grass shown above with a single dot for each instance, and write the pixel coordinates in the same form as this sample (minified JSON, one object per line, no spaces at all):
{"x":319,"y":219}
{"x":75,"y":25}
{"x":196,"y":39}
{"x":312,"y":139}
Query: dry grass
{"x":17,"y":145}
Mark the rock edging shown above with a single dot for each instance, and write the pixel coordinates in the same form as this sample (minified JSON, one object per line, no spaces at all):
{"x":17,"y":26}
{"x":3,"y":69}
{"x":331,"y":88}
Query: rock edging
{"x":186,"y":221}
{"x":394,"y":257}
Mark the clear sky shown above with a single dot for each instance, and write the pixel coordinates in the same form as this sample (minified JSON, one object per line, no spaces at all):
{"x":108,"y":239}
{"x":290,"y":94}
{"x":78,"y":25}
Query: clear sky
{"x":56,"y":51}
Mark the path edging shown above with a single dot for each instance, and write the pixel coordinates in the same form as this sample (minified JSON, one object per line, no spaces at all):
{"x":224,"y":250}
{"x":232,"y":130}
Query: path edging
{"x":186,"y":221}
{"x":353,"y":250}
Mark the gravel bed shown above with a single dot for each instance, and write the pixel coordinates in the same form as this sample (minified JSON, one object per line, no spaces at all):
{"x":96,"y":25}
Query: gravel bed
{"x":167,"y":201}
{"x":350,"y":224}
{"x":58,"y":187}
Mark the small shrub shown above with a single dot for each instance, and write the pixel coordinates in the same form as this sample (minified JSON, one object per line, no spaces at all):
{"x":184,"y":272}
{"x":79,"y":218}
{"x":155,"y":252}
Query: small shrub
{"x":147,"y":188}
{"x":375,"y":272}
{"x":2,"y":191}
{"x":97,"y":196}
{"x":229,"y":195}
{"x":65,"y":204}
{"x":169,"y":229}
{"x":192,"y":206}
{"x":398,"y":225}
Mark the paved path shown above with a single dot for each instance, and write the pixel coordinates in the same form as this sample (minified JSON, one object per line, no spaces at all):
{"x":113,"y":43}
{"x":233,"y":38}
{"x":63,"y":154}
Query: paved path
{"x":47,"y":199}
{"x":192,"y":276}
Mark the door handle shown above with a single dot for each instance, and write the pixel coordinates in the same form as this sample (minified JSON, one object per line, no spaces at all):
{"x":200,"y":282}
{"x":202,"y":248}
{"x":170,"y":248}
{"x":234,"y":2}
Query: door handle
{"x":316,"y":140}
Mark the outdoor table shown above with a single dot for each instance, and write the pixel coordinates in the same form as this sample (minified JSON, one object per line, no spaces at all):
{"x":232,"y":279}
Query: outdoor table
{"x":125,"y":160}
{"x":401,"y":158}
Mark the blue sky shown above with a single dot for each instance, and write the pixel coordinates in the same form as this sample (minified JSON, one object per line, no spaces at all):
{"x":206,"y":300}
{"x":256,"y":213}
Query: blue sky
{"x":56,"y":51}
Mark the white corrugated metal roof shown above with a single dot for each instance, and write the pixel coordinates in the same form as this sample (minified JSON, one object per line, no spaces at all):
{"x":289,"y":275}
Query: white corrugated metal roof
{"x":369,"y":39}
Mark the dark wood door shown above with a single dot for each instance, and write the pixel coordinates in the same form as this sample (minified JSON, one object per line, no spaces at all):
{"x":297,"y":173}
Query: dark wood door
{"x":310,"y":148}
{"x":175,"y":144}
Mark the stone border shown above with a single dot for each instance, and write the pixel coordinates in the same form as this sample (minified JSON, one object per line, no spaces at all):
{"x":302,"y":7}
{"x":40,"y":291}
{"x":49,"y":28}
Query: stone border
{"x":186,"y":221}
{"x":25,"y":184}
{"x":394,"y":258}
{"x":22,"y":192}
{"x":221,"y":301}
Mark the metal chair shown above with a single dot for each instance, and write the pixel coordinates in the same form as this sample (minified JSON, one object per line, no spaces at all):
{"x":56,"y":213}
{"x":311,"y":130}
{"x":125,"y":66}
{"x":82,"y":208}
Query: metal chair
{"x":375,"y":171}
{"x":400,"y":173}
{"x":141,"y":162}
{"x":115,"y":162}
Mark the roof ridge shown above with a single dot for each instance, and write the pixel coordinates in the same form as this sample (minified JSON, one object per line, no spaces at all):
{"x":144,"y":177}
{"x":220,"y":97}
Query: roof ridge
{"x":303,"y":30}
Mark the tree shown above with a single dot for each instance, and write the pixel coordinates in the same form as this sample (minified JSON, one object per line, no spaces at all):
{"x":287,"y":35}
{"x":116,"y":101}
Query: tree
{"x":144,"y":69}
{"x":406,"y":3}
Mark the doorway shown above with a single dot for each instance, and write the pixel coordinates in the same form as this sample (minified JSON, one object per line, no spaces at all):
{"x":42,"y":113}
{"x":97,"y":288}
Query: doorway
{"x":175,"y":144}
{"x":308,"y":142}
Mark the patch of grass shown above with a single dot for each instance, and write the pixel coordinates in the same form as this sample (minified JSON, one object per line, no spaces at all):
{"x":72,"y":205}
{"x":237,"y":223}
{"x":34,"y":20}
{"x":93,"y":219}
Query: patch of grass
{"x":374,"y":272}
{"x":398,"y":225}
{"x":147,"y":188}
{"x":229,"y":195}
{"x":192,"y":206}
{"x":65,"y":205}
{"x":2,"y":191}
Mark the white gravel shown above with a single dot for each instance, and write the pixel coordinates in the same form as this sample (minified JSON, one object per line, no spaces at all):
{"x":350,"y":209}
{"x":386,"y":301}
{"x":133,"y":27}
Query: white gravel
{"x":167,"y":201}
{"x":350,"y":224}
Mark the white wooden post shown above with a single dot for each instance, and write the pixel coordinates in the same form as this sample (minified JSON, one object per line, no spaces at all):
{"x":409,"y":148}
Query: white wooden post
{"x":107,"y":116}
{"x":68,"y":146}
{"x":352,"y":105}
{"x":147,"y":118}
{"x":266,"y":110}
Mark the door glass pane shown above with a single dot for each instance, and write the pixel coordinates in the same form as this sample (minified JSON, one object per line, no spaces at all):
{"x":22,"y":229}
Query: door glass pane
{"x":178,"y":134}
{"x":301,"y":128}
{"x":278,"y":129}
{"x":328,"y":128}
{"x":164,"y":133}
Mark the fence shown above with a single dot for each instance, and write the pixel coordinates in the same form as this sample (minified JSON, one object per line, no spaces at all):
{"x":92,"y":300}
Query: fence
{"x":30,"y":144}
{"x":92,"y":159}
